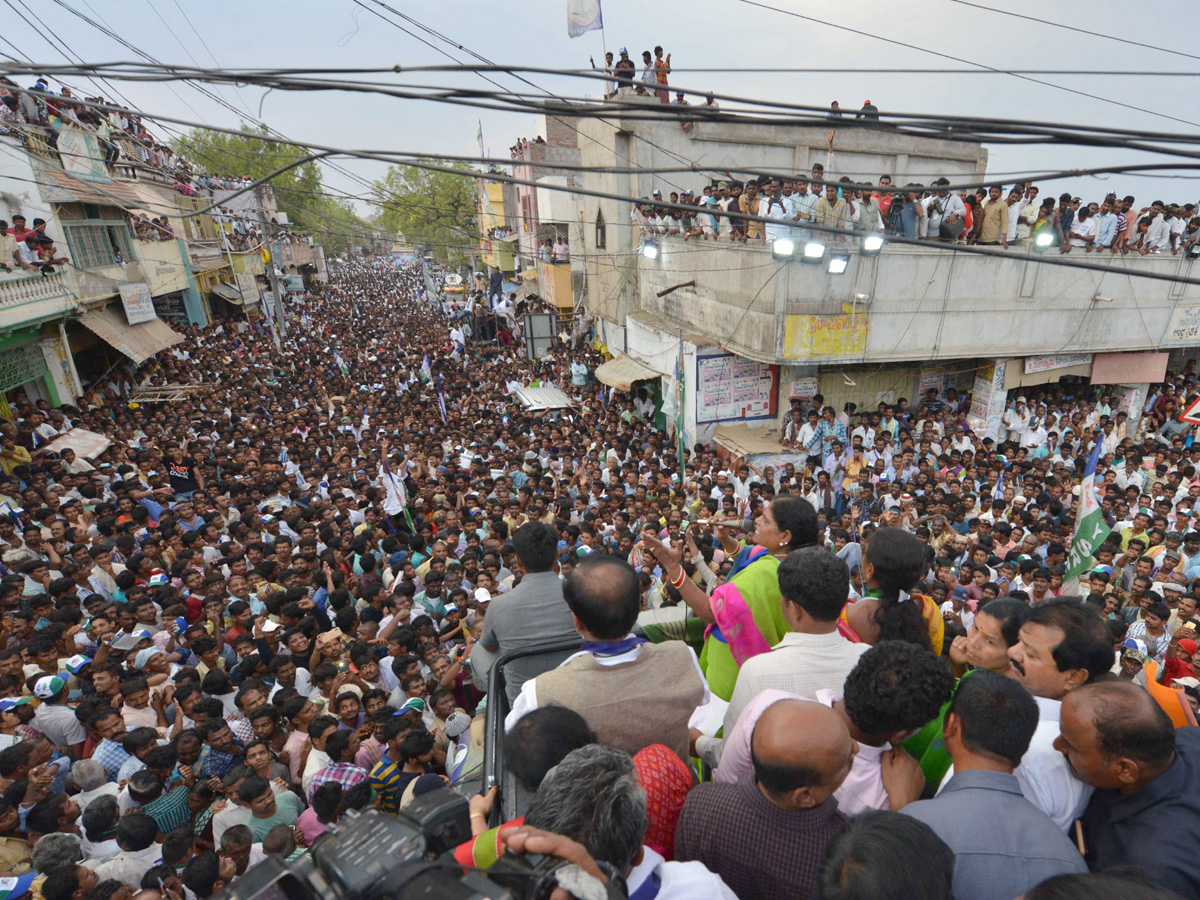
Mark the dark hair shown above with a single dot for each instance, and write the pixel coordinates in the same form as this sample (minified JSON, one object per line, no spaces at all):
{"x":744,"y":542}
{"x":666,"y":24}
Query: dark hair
{"x":896,"y":686}
{"x":817,"y":581}
{"x":100,"y":817}
{"x":536,"y":544}
{"x":1086,"y":642}
{"x":540,"y":740}
{"x":602,"y":591}
{"x":1158,"y":609}
{"x":177,"y":843}
{"x":326,"y":799}
{"x":321,"y":724}
{"x":416,"y":743}
{"x":144,"y":787}
{"x":1010,"y":613}
{"x":338,"y":743}
{"x":136,"y":831}
{"x":252,"y":788}
{"x":1129,"y":722}
{"x":796,"y":515}
{"x":886,"y":856}
{"x":1097,"y":886}
{"x":201,"y":874}
{"x":998,"y":717}
{"x":898,"y":560}
{"x":61,"y":883}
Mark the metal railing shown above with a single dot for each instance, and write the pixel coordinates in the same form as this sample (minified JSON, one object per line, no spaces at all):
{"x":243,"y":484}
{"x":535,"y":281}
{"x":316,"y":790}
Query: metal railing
{"x":509,"y":798}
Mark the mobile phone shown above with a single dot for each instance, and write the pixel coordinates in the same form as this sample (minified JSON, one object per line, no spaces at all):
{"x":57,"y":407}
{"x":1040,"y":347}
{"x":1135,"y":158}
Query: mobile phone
{"x":342,"y":666}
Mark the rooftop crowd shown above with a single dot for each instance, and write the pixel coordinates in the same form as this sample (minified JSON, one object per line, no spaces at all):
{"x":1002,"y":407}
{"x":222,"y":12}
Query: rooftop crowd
{"x":280,"y":600}
{"x":1012,"y":216}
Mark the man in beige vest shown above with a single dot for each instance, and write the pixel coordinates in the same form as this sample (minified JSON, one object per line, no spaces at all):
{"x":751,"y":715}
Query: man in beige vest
{"x":631,"y":693}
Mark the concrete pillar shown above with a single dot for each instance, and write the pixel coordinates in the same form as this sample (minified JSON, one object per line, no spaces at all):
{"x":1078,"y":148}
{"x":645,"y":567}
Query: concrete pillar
{"x":63,"y":380}
{"x":193,"y":303}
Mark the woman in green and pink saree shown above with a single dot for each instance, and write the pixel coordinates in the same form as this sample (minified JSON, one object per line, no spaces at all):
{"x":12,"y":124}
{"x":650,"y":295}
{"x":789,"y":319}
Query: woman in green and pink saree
{"x":743,"y":614}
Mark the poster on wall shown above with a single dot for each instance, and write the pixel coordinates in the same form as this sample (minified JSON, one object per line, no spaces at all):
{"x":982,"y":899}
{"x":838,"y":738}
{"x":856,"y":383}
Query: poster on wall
{"x":729,"y":388}
{"x":139,"y":305}
{"x":805,"y":387}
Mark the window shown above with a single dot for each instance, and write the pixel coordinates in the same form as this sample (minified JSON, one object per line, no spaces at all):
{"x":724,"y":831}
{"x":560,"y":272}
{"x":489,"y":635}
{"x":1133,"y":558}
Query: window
{"x":97,"y":244}
{"x":601,"y":231}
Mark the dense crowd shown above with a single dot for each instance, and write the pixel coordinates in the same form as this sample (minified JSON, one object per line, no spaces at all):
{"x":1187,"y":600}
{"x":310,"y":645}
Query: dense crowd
{"x":281,"y":600}
{"x":988,"y":216}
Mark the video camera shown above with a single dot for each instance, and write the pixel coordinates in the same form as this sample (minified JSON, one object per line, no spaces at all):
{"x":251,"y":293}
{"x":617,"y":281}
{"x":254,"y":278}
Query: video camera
{"x":371,"y":855}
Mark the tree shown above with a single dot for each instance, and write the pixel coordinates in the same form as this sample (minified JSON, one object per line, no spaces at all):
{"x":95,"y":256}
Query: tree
{"x":299,"y":192}
{"x":436,"y":208}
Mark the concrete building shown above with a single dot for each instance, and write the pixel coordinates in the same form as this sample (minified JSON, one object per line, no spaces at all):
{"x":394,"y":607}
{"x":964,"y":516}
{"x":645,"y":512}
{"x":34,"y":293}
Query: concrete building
{"x":756,"y":332}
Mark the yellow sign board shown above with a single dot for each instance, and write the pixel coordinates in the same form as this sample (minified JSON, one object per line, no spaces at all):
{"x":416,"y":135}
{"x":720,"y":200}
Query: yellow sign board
{"x":839,"y":336}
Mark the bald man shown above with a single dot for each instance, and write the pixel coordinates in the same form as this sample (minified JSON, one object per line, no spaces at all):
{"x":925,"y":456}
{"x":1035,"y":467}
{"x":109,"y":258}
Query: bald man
{"x":1145,"y":811}
{"x":766,"y":835}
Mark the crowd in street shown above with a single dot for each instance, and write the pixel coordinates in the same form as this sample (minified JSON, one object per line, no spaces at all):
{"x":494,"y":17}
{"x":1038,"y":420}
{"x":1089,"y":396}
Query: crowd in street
{"x":281,"y":600}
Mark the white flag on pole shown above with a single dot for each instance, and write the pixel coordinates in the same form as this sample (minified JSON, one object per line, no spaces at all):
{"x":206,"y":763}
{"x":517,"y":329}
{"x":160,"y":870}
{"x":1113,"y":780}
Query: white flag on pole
{"x":583,"y":16}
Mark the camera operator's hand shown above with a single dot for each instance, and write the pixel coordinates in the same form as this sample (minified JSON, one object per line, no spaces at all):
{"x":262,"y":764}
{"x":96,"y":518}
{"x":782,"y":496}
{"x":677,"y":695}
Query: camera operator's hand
{"x":522,"y":839}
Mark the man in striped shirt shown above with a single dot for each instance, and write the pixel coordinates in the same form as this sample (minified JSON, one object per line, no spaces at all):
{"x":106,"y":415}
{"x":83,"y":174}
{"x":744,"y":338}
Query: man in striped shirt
{"x":342,"y":747}
{"x":409,"y":751}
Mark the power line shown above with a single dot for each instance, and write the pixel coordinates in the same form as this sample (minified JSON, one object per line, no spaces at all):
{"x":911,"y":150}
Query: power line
{"x":960,"y":128}
{"x":968,"y":62}
{"x":412,"y":158}
{"x":1107,"y":37}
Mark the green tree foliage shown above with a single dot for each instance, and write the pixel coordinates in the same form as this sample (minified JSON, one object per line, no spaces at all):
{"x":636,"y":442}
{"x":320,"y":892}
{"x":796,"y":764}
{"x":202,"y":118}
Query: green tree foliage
{"x":435,"y":208}
{"x":299,"y":192}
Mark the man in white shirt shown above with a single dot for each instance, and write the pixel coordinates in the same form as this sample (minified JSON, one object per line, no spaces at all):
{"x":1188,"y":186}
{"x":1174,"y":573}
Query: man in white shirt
{"x":1016,"y":204}
{"x":813,"y":656}
{"x":1063,"y":646}
{"x":1158,"y":235}
{"x":1083,"y":229}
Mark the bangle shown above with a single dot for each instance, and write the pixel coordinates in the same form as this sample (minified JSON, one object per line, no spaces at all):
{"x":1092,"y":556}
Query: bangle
{"x":478,"y":815}
{"x":677,"y":583}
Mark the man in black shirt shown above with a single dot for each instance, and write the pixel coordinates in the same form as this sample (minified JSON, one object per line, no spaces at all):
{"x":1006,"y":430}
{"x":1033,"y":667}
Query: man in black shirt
{"x":183,"y":473}
{"x":625,"y":70}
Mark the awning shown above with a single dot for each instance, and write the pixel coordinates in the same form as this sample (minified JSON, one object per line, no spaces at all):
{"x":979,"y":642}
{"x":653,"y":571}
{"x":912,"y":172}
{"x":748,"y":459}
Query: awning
{"x":1129,"y":368}
{"x":138,"y":342}
{"x":58,"y":187}
{"x":622,"y":372}
{"x":542,"y":398}
{"x":227,"y":292}
{"x":1015,"y":375}
{"x":744,"y":441}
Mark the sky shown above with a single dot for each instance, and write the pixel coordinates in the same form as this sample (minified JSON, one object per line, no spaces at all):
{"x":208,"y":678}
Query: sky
{"x":698,"y":33}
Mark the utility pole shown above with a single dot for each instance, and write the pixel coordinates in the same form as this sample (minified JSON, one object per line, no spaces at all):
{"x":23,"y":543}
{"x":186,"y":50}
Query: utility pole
{"x":280,"y":320}
{"x":277,"y":298}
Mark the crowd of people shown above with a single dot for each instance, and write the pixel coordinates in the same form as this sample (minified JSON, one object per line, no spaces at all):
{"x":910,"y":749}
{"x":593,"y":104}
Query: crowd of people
{"x":989,"y":216}
{"x":282,"y":599}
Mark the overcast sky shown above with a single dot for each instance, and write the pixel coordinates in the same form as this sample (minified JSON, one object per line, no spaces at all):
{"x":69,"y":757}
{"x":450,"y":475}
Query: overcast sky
{"x":699,"y":33}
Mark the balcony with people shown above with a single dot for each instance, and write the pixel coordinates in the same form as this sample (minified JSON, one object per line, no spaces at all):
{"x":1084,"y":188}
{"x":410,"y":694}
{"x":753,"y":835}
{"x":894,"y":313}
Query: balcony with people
{"x":863,"y":274}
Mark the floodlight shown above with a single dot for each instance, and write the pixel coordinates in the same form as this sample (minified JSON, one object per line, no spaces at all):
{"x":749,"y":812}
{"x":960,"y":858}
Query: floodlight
{"x":783,"y":248}
{"x":837,"y":264}
{"x":872,"y":244}
{"x":814,"y":252}
{"x":650,"y":249}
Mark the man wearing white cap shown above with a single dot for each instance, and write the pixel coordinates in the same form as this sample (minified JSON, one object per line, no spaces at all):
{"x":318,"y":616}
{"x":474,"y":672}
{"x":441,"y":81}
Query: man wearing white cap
{"x":55,"y":719}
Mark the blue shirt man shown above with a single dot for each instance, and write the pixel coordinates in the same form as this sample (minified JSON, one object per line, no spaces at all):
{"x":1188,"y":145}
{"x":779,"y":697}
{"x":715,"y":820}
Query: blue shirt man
{"x":1003,"y":845}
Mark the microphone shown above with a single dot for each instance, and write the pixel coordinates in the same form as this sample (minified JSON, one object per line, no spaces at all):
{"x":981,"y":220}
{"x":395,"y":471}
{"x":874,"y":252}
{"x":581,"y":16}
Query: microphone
{"x":744,"y":526}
